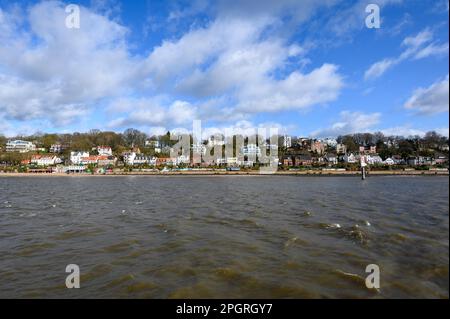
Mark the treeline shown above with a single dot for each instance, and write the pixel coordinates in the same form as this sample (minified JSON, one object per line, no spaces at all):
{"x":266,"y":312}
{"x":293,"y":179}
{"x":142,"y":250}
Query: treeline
{"x":119,"y":142}
{"x":388,"y":146}
{"x":86,"y":141}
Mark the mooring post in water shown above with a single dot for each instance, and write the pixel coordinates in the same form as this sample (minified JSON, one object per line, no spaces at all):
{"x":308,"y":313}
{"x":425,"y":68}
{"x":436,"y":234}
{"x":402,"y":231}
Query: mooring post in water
{"x":363,"y":167}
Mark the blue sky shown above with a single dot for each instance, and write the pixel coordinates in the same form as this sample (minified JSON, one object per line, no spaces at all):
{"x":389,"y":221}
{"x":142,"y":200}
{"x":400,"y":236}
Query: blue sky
{"x":309,"y":68}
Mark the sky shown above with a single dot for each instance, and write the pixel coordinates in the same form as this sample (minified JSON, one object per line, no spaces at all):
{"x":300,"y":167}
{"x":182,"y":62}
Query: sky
{"x":305,"y":67}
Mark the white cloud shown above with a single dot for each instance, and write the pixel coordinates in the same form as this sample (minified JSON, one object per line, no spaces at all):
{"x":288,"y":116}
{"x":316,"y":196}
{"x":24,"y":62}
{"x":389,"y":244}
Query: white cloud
{"x":378,"y":68}
{"x":431,"y":100}
{"x":350,"y":122}
{"x":417,"y":47}
{"x":430,"y":50}
{"x":352,"y":17}
{"x":229,"y":58}
{"x":297,"y":91}
{"x":148,"y":113}
{"x":407,"y":131}
{"x":52,"y":71}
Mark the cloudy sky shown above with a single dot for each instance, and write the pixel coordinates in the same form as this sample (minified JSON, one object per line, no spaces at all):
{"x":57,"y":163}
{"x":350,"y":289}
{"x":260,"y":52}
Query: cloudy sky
{"x":307,"y":67}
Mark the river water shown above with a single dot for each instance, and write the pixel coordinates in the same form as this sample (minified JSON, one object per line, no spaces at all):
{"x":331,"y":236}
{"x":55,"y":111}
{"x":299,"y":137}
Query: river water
{"x":224,"y":236}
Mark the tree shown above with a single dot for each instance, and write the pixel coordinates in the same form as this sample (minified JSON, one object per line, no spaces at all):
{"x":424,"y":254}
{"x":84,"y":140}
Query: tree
{"x":48,"y":140}
{"x":406,"y":148}
{"x":134,"y":137}
{"x":349,"y":142}
{"x":3,"y":141}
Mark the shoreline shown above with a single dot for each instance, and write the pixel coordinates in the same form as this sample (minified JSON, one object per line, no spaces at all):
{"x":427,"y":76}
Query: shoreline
{"x":235,"y":173}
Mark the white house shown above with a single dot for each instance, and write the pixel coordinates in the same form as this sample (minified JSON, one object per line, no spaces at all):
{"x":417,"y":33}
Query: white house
{"x":89,"y":160}
{"x":341,"y":148}
{"x":389,"y":161}
{"x":104,"y":150}
{"x":56,"y":148}
{"x":128,"y":158}
{"x":374,"y":159}
{"x":45,"y":160}
{"x":156,"y":145}
{"x":251,"y":150}
{"x":350,"y":158}
{"x":141,"y":159}
{"x":287,"y":141}
{"x":232,"y":160}
{"x":77,"y":157}
{"x":132,"y":158}
{"x":20,"y":146}
{"x":182,"y":159}
{"x":331,"y":159}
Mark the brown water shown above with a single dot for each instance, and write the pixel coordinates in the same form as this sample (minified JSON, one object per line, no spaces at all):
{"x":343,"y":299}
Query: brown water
{"x":227,"y":237}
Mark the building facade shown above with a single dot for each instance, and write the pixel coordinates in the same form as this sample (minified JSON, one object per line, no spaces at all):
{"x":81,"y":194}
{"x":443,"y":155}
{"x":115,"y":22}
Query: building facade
{"x":20,"y":146}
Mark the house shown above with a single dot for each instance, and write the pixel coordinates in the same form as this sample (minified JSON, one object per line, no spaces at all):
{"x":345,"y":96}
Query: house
{"x":156,"y":145}
{"x":444,"y":147}
{"x":368,"y":149}
{"x":136,"y":150}
{"x":74,"y":169}
{"x":391,"y":143}
{"x":287,"y":141}
{"x":303,"y":160}
{"x":56,"y":148}
{"x":20,"y":146}
{"x":287,"y":161}
{"x":45,"y":160}
{"x":398,"y":160}
{"x":374,"y":159}
{"x":251,"y":150}
{"x":182,"y":159}
{"x":389,"y":161}
{"x":104,"y":150}
{"x":317,"y":147}
{"x":89,"y":160}
{"x":421,"y":160}
{"x":231,"y":160}
{"x":341,"y":148}
{"x":318,"y":159}
{"x":76,"y":157}
{"x":441,"y":159}
{"x":331,"y":159}
{"x":152,"y":143}
{"x":141,"y":159}
{"x":163,"y":161}
{"x":413,"y":161}
{"x":303,"y":143}
{"x":133,"y":158}
{"x":103,"y":160}
{"x":350,"y":158}
{"x":426,"y":160}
